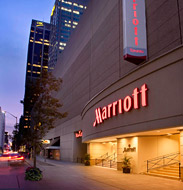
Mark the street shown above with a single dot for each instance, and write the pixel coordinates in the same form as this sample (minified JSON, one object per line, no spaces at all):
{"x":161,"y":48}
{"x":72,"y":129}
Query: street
{"x":71,"y":176}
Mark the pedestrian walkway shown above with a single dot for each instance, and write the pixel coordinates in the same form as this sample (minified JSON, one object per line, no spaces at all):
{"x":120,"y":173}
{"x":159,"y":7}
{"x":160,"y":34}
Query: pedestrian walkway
{"x":72,"y":176}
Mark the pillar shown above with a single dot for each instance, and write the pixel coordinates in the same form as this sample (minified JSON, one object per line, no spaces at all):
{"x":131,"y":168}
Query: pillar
{"x":181,"y":154}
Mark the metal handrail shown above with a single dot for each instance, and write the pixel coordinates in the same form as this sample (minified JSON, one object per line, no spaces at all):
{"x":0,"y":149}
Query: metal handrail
{"x":111,"y":158}
{"x":99,"y":159}
{"x":166,"y":155}
{"x":162,"y":161}
{"x":104,"y":155}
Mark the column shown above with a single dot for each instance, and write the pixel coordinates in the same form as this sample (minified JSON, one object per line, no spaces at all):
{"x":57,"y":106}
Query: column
{"x":181,"y":154}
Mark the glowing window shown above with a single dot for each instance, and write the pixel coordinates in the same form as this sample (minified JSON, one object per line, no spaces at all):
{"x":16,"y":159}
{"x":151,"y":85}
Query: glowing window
{"x":76,"y":12}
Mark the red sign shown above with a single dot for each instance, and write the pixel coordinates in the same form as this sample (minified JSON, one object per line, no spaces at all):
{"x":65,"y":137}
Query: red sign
{"x":79,"y":134}
{"x":122,"y":105}
{"x":134,"y":31}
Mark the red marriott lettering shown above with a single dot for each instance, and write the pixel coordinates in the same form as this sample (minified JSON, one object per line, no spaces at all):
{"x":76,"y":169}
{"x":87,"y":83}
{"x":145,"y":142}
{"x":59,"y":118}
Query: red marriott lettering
{"x":122,"y":105}
{"x":135,"y":22}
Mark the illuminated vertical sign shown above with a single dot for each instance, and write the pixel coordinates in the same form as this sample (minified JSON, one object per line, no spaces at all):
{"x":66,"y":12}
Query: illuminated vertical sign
{"x":134,"y":31}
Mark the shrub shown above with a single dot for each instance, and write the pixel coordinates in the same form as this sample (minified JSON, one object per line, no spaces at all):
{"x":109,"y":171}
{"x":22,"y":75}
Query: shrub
{"x":33,"y":174}
{"x":87,"y":160}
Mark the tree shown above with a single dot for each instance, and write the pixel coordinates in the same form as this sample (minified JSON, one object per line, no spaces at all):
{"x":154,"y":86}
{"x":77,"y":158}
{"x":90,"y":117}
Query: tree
{"x":45,"y":111}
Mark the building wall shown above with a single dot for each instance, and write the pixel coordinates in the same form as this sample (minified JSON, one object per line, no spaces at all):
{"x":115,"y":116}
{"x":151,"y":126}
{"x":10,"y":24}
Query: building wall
{"x":163,"y":77}
{"x":93,"y":60}
{"x":147,"y":148}
{"x":94,"y":73}
{"x":98,"y":149}
{"x":151,"y":147}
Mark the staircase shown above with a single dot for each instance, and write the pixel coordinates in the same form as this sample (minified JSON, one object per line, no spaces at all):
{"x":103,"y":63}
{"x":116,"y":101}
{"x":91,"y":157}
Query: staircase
{"x":109,"y":161}
{"x":171,"y":172}
{"x":167,"y":166}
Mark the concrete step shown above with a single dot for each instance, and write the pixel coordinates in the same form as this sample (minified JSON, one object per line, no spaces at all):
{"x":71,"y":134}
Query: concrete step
{"x":171,"y":172}
{"x":165,"y":176}
{"x":165,"y":173}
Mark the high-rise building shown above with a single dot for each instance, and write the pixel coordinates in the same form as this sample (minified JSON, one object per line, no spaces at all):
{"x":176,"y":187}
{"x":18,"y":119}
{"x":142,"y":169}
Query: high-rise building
{"x":37,"y":61}
{"x":2,"y":129}
{"x":64,"y":19}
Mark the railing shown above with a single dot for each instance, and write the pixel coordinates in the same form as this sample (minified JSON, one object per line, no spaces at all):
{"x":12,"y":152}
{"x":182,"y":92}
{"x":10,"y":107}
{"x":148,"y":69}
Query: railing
{"x":108,"y":161}
{"x":162,"y":161}
{"x":99,"y":159}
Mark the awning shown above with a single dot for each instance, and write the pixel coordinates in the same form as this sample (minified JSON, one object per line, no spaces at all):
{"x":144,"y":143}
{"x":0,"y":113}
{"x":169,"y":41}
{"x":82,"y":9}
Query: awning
{"x":53,"y":147}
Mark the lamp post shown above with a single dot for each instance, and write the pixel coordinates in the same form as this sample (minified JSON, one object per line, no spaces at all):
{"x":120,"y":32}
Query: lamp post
{"x":16,"y":121}
{"x":11,"y":115}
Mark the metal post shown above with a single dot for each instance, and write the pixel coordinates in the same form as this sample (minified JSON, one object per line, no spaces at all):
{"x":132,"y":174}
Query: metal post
{"x":110,"y":163}
{"x":179,"y":171}
{"x":147,"y":166}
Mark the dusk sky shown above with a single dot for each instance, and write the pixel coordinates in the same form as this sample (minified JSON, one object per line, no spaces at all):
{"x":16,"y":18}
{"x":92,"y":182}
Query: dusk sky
{"x":15,"y":22}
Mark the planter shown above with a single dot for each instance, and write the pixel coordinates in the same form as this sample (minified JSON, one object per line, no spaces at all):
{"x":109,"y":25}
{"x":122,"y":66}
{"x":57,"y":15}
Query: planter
{"x":33,"y":174}
{"x":87,"y":163}
{"x":126,"y":170}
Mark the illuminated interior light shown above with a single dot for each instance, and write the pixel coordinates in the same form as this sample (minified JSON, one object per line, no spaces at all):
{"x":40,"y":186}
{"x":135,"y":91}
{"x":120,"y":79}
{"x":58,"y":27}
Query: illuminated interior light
{"x":76,"y":12}
{"x":62,"y":48}
{"x":29,"y":71}
{"x":62,"y":44}
{"x":36,"y":65}
{"x":169,"y":134}
{"x":67,"y":2}
{"x":76,"y":23}
{"x":31,"y":40}
{"x":45,"y":67}
{"x":74,"y":26}
{"x":38,"y":42}
{"x":39,"y":24}
{"x":29,"y":64}
{"x":68,"y":25}
{"x":65,"y":9}
{"x":46,"y":44}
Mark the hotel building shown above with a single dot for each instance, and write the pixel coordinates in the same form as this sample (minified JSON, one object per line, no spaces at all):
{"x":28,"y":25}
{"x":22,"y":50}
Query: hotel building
{"x":122,"y":74}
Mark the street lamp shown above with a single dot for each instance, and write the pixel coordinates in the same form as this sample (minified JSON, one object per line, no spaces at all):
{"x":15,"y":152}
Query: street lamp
{"x":11,"y":115}
{"x":14,"y":117}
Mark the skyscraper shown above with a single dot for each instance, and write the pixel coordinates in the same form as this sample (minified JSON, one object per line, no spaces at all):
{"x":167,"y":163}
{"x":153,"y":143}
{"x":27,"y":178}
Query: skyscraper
{"x":37,"y":61}
{"x":64,"y":19}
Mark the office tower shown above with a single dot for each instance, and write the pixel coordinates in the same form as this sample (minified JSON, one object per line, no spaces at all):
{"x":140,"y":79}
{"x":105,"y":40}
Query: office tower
{"x":2,"y":129}
{"x":64,"y":19}
{"x":37,"y":61}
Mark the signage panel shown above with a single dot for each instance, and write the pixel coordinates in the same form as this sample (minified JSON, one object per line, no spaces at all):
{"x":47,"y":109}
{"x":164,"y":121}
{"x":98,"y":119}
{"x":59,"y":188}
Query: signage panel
{"x":134,"y":31}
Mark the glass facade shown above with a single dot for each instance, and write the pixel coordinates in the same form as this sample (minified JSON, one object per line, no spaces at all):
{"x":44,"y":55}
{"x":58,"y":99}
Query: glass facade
{"x":64,"y":19}
{"x":37,"y":61}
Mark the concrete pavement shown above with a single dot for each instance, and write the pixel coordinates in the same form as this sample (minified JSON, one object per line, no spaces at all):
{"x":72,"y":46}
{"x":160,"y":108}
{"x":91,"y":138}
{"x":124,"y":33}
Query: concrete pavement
{"x":71,"y":176}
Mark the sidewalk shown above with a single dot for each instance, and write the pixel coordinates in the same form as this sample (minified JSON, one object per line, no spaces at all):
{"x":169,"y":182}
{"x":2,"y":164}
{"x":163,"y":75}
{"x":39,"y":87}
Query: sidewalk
{"x":72,"y":176}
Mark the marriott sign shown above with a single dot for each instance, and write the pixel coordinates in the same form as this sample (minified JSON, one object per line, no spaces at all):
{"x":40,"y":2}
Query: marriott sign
{"x":122,"y":105}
